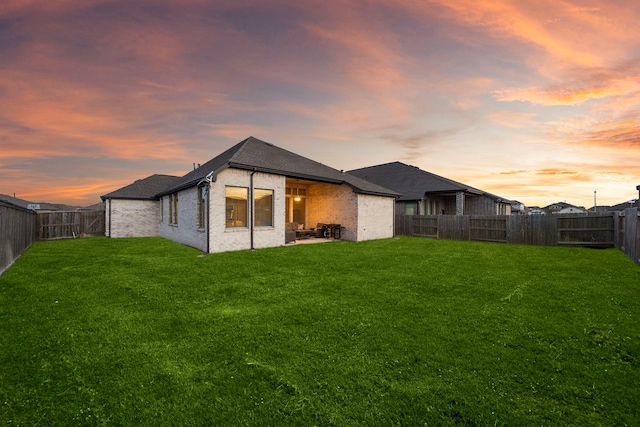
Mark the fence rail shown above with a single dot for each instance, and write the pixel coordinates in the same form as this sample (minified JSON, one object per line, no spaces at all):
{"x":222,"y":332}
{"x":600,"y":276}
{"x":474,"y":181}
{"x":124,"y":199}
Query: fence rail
{"x":612,"y":229}
{"x":70,"y":224}
{"x":17,"y":233}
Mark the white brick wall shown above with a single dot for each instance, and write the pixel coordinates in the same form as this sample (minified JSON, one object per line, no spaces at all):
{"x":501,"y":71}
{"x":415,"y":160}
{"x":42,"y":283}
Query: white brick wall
{"x":224,"y":239}
{"x":131,"y":218}
{"x":375,"y":217}
{"x":186,"y":231}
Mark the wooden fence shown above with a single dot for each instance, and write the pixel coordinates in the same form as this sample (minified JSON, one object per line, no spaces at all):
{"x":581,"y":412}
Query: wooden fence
{"x":17,"y":233}
{"x":629,"y":233}
{"x":70,"y":224}
{"x":612,"y":229}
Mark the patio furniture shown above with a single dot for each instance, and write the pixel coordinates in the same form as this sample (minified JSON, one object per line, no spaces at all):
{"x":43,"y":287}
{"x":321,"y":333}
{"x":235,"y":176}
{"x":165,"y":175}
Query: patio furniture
{"x":333,"y":230}
{"x":290,"y":232}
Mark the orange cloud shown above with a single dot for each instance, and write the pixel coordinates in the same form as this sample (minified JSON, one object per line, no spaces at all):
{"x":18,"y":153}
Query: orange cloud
{"x":580,"y":36}
{"x":622,"y":135}
{"x":555,"y":96}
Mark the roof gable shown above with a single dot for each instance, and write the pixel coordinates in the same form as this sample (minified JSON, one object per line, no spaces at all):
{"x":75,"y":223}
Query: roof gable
{"x":143,"y":189}
{"x":261,"y":156}
{"x":410,"y":181}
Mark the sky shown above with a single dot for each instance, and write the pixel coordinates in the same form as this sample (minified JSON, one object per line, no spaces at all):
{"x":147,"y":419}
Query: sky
{"x":535,"y":101}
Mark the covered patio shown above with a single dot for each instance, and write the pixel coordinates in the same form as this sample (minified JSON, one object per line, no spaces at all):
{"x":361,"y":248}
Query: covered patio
{"x":313,"y":211}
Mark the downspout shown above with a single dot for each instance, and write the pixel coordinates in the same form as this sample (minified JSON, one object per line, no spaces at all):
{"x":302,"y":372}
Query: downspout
{"x":207,"y":227}
{"x":251,"y":217}
{"x":208,"y":179}
{"x":394,"y":217}
{"x":110,"y":201}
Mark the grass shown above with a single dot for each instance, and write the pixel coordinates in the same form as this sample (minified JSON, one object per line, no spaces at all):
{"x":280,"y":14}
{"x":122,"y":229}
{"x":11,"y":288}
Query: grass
{"x":393,"y":332}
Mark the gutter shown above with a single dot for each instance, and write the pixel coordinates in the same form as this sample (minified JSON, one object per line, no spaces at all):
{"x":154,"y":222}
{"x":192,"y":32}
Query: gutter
{"x":207,"y":227}
{"x":110,"y":201}
{"x":251,"y":206}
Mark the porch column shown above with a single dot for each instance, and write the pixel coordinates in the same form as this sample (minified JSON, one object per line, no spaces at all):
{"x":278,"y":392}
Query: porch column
{"x":459,"y":203}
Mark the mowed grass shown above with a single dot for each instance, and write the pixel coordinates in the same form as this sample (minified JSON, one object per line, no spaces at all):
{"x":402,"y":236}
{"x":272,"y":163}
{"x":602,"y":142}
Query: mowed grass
{"x":396,"y":332}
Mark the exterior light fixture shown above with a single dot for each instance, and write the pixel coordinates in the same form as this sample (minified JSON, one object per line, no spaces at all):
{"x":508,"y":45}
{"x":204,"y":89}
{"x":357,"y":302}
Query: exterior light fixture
{"x":297,"y":198}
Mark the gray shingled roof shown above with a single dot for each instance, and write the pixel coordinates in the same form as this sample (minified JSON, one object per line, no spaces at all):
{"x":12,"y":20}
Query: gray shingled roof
{"x":253,"y":153}
{"x":143,"y":189}
{"x":412,"y":182}
{"x":44,"y":206}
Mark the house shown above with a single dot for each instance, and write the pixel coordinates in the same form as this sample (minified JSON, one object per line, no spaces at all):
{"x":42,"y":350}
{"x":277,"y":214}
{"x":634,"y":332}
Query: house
{"x":564,"y":208}
{"x":39,"y":206}
{"x":573,"y":210}
{"x":132,"y":211}
{"x":536,"y":210}
{"x":425,"y":193}
{"x":518,"y":208}
{"x":245,"y":197}
{"x":633,"y":203}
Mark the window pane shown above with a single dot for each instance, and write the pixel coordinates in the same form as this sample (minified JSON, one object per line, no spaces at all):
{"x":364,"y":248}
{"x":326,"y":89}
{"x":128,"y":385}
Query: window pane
{"x":299,"y":210}
{"x":202,"y":202}
{"x":236,"y":206}
{"x":263,"y":208}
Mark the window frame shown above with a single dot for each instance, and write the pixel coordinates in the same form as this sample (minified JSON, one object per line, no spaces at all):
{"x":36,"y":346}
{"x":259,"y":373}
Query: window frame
{"x":230,"y":221}
{"x":173,"y":209}
{"x":256,"y":217}
{"x":202,"y":207}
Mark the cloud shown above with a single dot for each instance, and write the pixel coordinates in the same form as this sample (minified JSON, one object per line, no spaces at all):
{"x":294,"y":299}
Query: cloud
{"x":134,"y":88}
{"x":556,"y":95}
{"x":580,"y":85}
{"x":581,"y":36}
{"x":513,"y":119}
{"x":621,"y":134}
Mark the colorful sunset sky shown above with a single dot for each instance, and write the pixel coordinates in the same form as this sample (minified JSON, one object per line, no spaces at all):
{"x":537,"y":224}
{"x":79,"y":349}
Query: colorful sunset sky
{"x":536,"y":101}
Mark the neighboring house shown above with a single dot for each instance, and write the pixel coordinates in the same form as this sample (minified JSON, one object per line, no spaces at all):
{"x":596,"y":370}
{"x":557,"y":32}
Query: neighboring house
{"x":132,"y":211}
{"x":243,"y":199}
{"x":573,"y":210}
{"x":518,"y":208}
{"x":40,"y":206}
{"x":424,"y":193}
{"x":633,"y":203}
{"x":536,"y":210}
{"x":564,"y":208}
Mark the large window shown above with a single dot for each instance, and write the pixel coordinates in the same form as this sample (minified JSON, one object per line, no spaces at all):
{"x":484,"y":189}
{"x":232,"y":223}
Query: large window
{"x":263,"y":207}
{"x":236,"y":207}
{"x":173,"y":209}
{"x":202,"y":214}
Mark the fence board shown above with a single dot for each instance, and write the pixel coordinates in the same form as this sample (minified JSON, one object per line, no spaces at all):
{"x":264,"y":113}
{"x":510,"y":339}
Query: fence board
{"x":488,"y":228}
{"x":630,"y":240}
{"x":17,"y":233}
{"x":70,"y":224}
{"x":591,"y":230}
{"x":453,"y":227}
{"x":611,"y":229}
{"x":425,"y":226}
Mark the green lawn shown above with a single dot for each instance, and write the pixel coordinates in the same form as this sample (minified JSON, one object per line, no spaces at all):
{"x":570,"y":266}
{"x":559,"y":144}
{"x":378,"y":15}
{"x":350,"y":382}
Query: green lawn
{"x":396,"y":332}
